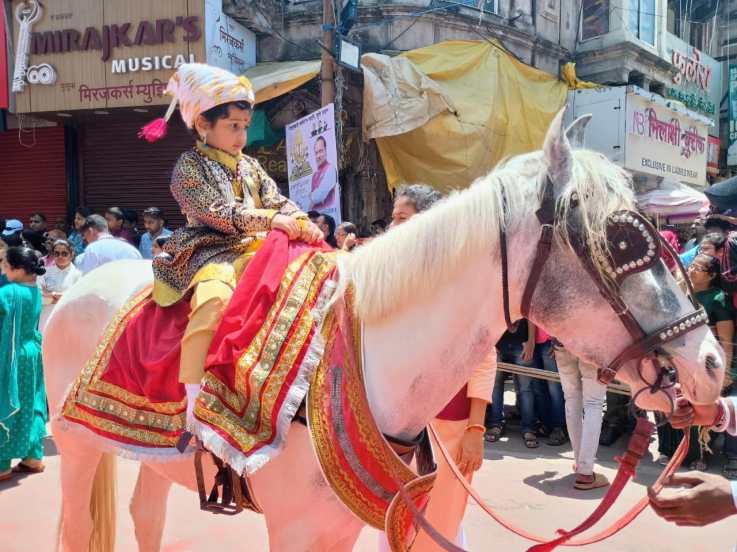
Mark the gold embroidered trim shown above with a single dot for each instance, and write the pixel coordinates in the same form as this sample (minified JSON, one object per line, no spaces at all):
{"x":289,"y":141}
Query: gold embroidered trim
{"x":268,"y":359}
{"x":89,"y":391}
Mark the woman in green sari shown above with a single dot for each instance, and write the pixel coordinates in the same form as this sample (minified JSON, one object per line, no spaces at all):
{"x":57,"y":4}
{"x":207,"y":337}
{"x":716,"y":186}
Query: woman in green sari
{"x":23,"y":412}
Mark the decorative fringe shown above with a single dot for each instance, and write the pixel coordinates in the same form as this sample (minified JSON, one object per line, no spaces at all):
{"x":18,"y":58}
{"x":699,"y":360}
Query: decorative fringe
{"x":234,"y":457}
{"x":153,"y":131}
{"x":110,"y":446}
{"x":139,"y":454}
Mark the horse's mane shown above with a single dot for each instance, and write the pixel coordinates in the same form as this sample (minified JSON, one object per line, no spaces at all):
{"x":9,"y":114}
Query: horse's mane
{"x":416,"y":257}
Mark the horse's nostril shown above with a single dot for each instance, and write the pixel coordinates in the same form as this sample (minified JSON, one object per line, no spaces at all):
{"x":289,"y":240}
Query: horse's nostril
{"x":711,"y":362}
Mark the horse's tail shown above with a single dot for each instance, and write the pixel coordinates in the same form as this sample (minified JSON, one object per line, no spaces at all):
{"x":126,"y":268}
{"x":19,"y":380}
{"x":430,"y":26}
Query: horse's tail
{"x":102,"y":506}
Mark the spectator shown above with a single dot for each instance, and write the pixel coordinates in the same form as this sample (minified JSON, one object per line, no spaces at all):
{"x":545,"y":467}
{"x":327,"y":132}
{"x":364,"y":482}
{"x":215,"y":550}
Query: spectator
{"x":326,"y":224}
{"x":412,"y":199}
{"x":115,"y":222}
{"x":549,"y":401}
{"x":711,"y":226}
{"x":584,"y":400}
{"x":59,"y":277}
{"x":346,"y":236}
{"x":712,"y":244}
{"x":672,"y":239}
{"x":102,"y":247}
{"x":3,"y":249}
{"x":313,"y":215}
{"x":516,"y":347}
{"x":153,"y":221}
{"x":37,"y":222}
{"x":460,"y":427}
{"x":13,"y":228}
{"x":61,"y":224}
{"x":75,"y":237}
{"x":378,"y":227}
{"x":51,"y":237}
{"x":157,"y":246}
{"x":23,"y":410}
{"x":130,"y":225}
{"x":34,"y":240}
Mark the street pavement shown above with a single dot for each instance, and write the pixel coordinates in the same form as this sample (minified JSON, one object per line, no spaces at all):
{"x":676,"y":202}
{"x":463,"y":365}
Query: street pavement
{"x":533,"y":488}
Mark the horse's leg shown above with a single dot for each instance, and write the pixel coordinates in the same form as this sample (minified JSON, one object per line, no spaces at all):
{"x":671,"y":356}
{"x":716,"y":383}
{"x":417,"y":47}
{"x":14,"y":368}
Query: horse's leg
{"x":148,"y":508}
{"x":302,"y":512}
{"x":79,"y":463}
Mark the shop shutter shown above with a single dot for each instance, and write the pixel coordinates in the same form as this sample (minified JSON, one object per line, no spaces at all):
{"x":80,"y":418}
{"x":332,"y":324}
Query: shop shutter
{"x":119,"y":169}
{"x":32,"y":174}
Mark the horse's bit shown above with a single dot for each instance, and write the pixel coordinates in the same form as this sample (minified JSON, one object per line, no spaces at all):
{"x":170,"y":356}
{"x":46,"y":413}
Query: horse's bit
{"x":633,"y":246}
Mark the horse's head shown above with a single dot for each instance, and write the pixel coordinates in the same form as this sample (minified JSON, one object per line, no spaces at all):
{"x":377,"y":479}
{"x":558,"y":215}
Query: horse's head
{"x":594,"y":298}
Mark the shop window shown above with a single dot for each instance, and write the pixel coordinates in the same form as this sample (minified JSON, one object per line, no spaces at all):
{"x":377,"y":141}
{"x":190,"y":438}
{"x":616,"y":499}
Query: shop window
{"x":594,"y":18}
{"x":641,"y":19}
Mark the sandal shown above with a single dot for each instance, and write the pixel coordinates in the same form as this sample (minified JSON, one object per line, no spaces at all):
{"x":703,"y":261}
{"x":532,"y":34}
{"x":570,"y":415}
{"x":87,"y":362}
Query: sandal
{"x":730,"y":469}
{"x":557,"y":437}
{"x":493,"y":434}
{"x":599,"y":480}
{"x":530,"y":438}
{"x":4,"y":476}
{"x":20,"y":467}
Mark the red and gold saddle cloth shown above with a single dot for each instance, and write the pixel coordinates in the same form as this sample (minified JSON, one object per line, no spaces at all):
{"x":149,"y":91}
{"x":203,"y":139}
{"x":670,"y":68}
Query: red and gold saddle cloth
{"x":364,"y":470}
{"x":257,"y":371}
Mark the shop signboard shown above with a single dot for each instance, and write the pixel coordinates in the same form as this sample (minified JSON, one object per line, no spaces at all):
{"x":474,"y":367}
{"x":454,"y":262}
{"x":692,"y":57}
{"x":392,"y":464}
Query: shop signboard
{"x":663,"y":142}
{"x":228,"y":44}
{"x":697,"y":81}
{"x":312,"y":163}
{"x":97,"y":54}
{"x":732,"y":140}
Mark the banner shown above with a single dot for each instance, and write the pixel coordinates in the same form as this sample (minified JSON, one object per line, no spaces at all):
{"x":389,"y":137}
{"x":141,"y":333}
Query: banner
{"x":312,"y":163}
{"x":732,"y":142}
{"x":663,"y":142}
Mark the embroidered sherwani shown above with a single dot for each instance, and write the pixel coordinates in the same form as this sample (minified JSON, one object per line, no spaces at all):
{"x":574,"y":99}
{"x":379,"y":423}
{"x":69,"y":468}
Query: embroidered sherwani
{"x":228,"y":202}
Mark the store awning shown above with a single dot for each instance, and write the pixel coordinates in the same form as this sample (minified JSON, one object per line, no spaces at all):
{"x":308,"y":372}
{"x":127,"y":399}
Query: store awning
{"x":673,"y":199}
{"x":274,"y":78}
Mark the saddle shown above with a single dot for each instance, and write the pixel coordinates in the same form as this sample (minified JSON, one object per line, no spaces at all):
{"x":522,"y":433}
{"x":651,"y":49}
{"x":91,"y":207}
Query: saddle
{"x":257,"y":372}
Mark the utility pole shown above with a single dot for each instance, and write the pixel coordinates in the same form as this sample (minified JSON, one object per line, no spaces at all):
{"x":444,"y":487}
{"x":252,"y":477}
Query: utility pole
{"x":327,"y":73}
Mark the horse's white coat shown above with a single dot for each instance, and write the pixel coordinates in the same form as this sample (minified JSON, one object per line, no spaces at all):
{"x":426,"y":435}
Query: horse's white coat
{"x":419,"y":347}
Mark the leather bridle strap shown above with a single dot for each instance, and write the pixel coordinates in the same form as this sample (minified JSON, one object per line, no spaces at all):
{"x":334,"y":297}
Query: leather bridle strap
{"x":546,"y":216}
{"x":652,"y":341}
{"x":637,"y":447}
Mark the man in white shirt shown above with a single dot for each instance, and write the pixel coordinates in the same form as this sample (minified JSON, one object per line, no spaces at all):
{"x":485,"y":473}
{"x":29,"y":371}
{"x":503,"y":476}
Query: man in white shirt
{"x":706,"y":498}
{"x":102,"y":246}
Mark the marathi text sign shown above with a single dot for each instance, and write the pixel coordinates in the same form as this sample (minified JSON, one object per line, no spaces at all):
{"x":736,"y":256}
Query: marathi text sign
{"x":312,"y":163}
{"x":664,"y":143}
{"x":697,"y":82}
{"x":230,"y":45}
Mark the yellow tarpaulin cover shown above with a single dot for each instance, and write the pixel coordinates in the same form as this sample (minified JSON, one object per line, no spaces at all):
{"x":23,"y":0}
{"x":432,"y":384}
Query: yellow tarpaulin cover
{"x":503,"y":108}
{"x":274,"y":78}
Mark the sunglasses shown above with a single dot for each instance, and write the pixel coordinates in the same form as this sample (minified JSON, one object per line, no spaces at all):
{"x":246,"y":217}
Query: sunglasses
{"x":697,"y":268}
{"x":61,"y":254}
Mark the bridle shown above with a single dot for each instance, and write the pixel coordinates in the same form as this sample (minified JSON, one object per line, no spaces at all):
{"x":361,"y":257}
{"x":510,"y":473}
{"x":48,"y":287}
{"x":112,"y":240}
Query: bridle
{"x":633,"y":246}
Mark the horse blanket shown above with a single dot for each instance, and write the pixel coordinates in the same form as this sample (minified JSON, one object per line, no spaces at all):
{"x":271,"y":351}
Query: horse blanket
{"x":257,"y":372}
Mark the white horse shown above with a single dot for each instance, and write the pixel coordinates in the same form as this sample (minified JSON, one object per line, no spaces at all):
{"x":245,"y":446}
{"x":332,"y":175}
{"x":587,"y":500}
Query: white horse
{"x":430,"y":295}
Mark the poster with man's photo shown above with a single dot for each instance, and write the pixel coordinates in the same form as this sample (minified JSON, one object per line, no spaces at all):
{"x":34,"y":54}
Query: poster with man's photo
{"x":312,"y":163}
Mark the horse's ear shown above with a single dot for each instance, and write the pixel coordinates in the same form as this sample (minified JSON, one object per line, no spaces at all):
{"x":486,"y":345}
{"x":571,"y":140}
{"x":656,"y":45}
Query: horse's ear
{"x":558,"y":154}
{"x":577,"y":130}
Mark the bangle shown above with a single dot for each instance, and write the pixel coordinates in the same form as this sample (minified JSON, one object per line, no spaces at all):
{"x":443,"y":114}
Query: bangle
{"x":480,"y":427}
